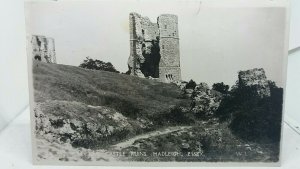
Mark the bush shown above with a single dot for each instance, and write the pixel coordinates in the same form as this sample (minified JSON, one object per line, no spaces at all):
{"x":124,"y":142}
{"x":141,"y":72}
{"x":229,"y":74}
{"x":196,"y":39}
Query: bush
{"x":252,"y":117}
{"x":220,"y":87}
{"x":191,"y":84}
{"x":89,"y":63}
{"x":177,"y":115}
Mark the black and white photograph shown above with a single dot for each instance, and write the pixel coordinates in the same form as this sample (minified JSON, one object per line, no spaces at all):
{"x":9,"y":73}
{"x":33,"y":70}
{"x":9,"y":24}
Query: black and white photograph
{"x":156,"y":82}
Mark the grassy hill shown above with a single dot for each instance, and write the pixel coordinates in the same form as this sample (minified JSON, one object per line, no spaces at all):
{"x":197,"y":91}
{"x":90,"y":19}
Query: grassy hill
{"x":85,"y":115}
{"x":128,"y":94}
{"x":100,"y":107}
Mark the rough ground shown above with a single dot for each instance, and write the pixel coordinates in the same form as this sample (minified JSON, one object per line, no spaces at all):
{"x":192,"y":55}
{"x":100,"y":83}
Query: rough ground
{"x":54,"y":151}
{"x":212,"y":140}
{"x":156,"y":133}
{"x":85,"y":115}
{"x":92,"y":110}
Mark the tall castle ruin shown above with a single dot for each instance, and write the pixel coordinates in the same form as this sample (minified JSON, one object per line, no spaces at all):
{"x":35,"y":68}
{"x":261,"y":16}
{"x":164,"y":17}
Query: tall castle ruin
{"x":43,"y":49}
{"x":154,"y":47}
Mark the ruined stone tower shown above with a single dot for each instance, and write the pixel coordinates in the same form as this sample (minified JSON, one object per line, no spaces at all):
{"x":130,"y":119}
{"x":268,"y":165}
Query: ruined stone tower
{"x":43,"y":49}
{"x":154,"y":47}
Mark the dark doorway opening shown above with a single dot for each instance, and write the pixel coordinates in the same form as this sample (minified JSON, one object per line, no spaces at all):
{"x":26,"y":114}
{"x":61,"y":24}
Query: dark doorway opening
{"x":151,"y":65}
{"x":37,"y":57}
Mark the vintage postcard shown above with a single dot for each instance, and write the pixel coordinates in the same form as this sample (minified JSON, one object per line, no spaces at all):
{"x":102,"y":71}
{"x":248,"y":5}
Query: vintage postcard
{"x":157,"y":82}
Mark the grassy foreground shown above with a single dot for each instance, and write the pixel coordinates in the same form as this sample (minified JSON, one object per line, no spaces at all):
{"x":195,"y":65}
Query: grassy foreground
{"x":82,"y":114}
{"x":100,"y":107}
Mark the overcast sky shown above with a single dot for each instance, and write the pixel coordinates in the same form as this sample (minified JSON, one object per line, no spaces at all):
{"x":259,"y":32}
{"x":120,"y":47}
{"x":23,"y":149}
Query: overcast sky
{"x":215,"y":42}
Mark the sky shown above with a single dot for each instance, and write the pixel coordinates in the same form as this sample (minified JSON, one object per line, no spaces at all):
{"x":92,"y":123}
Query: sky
{"x":216,"y":41}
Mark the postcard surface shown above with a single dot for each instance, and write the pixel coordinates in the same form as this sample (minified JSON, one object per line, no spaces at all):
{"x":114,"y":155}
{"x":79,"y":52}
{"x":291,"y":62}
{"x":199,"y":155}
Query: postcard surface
{"x":157,"y":82}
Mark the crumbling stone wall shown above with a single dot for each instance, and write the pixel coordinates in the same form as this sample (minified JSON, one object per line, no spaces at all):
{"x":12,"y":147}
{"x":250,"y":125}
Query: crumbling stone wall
{"x":154,"y":47}
{"x":43,"y":49}
{"x":255,"y":78}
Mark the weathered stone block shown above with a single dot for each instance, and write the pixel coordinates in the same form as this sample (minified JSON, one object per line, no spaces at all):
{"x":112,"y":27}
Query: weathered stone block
{"x":255,"y":78}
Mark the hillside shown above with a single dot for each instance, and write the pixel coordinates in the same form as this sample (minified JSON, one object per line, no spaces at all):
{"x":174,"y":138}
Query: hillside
{"x":124,"y":93}
{"x":87,"y":115}
{"x":100,"y":106}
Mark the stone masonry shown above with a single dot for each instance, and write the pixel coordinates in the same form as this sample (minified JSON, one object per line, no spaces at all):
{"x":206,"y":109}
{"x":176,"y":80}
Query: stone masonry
{"x":154,"y":48}
{"x":43,"y":49}
{"x":255,"y":78}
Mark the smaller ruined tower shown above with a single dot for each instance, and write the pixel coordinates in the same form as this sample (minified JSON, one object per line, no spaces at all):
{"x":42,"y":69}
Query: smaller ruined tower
{"x":43,"y":49}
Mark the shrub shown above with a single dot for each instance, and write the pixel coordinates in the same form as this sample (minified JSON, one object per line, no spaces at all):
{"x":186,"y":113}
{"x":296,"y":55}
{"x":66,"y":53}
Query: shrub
{"x":179,"y":115}
{"x":252,"y":117}
{"x":191,"y":84}
{"x":220,"y":87}
{"x":89,"y":63}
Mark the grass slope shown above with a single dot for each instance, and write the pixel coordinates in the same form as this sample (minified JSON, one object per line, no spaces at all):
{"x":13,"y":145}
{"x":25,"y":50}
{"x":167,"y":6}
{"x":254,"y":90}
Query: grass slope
{"x":94,"y":109}
{"x":134,"y":97}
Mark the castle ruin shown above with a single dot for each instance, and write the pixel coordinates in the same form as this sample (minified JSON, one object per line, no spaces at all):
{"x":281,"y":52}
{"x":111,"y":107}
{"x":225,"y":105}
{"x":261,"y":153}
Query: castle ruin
{"x":43,"y":49}
{"x":154,"y":48}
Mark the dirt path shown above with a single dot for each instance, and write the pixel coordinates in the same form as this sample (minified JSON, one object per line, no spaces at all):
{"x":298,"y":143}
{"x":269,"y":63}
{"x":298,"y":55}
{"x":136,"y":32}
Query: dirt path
{"x":130,"y":141}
